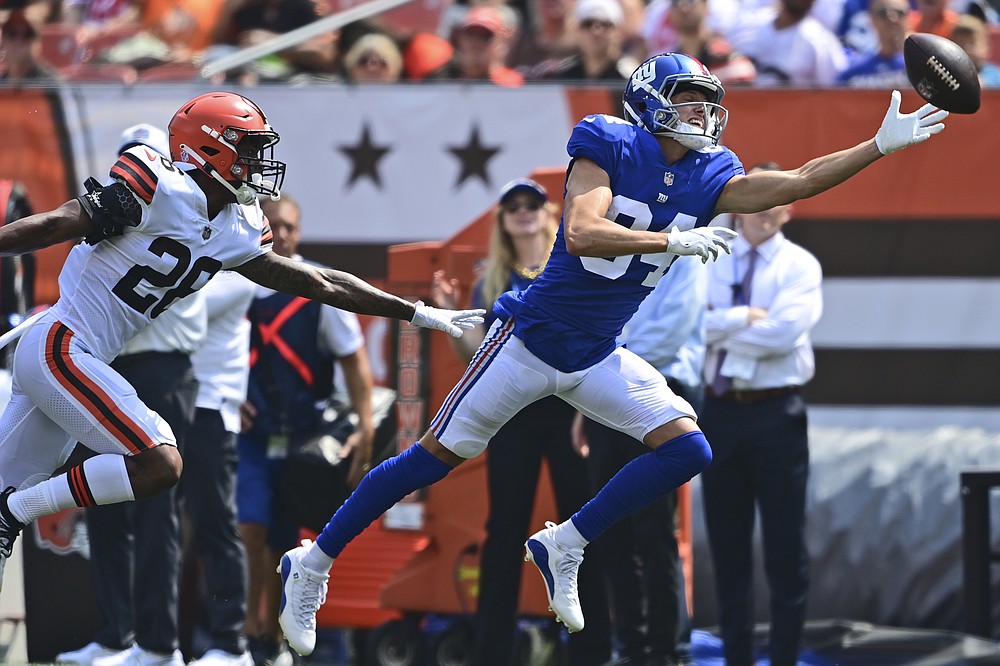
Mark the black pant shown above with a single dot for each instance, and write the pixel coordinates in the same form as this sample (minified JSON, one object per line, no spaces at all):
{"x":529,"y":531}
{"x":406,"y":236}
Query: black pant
{"x":513,"y":463}
{"x":639,"y":555}
{"x":135,"y":546}
{"x":208,"y":486}
{"x":761,"y":461}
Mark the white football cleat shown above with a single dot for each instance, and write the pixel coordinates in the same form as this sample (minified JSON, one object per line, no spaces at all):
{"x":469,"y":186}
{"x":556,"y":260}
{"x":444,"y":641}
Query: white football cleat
{"x":86,"y":655}
{"x":303,"y":591}
{"x":558,"y":566}
{"x":139,"y":657}
{"x":215,"y":657}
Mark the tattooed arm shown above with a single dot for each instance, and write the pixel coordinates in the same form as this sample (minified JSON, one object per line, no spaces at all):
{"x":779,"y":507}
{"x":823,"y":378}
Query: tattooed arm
{"x":348,"y":292}
{"x":337,"y":288}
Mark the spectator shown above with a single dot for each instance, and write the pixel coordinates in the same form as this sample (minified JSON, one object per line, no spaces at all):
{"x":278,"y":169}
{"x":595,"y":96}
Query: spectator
{"x":103,"y":22}
{"x":523,"y":232}
{"x":763,"y":301}
{"x":639,"y":556}
{"x":249,"y":22}
{"x":208,"y":483}
{"x":549,"y":33}
{"x":481,"y":43}
{"x":374,"y":58}
{"x":688,"y":32}
{"x":173,"y":31}
{"x":660,"y":35}
{"x":933,"y":16}
{"x":790,"y":47}
{"x":295,"y":344}
{"x":972,"y":34}
{"x":22,"y":53}
{"x":426,"y":57}
{"x":599,"y":52}
{"x":135,"y":548}
{"x":855,"y":28}
{"x":885,"y":68}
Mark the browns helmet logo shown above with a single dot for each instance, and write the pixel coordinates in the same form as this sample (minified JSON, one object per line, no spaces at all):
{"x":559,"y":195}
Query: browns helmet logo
{"x":63,"y":533}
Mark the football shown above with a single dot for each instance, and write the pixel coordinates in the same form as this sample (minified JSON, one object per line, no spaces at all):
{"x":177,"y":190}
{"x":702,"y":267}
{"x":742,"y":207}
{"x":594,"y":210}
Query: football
{"x":942,"y":72}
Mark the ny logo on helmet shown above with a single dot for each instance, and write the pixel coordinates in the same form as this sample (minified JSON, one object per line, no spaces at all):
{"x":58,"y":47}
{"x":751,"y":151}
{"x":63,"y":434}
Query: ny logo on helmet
{"x":645,"y":74}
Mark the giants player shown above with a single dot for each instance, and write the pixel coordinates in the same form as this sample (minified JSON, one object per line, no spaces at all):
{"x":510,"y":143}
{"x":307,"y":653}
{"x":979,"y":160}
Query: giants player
{"x":159,"y":232}
{"x":638,"y":193}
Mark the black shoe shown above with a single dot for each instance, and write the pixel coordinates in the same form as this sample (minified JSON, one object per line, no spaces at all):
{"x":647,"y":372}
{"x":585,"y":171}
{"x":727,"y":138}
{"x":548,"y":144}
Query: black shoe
{"x":10,"y":527}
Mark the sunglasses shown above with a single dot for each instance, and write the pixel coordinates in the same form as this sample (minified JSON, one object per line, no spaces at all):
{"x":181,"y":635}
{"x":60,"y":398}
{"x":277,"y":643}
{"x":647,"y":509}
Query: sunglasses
{"x":514,"y":206}
{"x":590,"y":24}
{"x":370,"y":59}
{"x":885,"y":12}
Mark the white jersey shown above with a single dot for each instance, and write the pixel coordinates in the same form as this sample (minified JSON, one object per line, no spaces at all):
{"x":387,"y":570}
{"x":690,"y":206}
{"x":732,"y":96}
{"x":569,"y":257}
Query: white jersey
{"x":222,"y":364}
{"x":112,"y":290}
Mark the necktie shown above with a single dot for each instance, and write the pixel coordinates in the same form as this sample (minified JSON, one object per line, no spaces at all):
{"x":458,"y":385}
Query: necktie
{"x":741,"y":296}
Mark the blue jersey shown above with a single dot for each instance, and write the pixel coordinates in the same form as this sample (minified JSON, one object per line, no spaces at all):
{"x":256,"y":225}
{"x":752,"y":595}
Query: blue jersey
{"x":572,"y":314}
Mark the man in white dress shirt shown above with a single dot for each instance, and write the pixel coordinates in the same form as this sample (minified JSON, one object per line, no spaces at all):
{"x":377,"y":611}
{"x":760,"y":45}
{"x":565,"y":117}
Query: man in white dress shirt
{"x":763,"y":301}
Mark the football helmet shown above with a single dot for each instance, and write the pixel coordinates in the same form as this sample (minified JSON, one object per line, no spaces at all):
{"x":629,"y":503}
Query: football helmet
{"x":648,"y":99}
{"x":226,"y":136}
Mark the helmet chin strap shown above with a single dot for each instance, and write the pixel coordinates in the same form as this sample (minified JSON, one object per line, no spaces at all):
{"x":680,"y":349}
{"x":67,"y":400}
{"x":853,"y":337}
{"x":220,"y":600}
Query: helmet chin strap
{"x":245,"y":194}
{"x":689,"y":136}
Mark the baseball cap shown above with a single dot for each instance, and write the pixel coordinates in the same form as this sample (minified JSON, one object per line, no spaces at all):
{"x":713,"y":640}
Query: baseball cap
{"x":600,"y":10}
{"x":483,"y":17}
{"x":523,"y":185}
{"x":145,"y":135}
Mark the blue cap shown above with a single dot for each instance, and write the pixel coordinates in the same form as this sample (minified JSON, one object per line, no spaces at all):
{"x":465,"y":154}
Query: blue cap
{"x":523,"y":185}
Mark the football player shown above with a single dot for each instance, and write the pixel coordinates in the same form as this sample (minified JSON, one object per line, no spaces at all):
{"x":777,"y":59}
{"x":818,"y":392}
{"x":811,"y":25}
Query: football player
{"x":159,"y":232}
{"x":638,"y":193}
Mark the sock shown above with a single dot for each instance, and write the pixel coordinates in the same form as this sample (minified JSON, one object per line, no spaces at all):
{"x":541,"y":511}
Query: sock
{"x":382,"y":487}
{"x":642,"y":481}
{"x":316,"y":560}
{"x":102,"y":479}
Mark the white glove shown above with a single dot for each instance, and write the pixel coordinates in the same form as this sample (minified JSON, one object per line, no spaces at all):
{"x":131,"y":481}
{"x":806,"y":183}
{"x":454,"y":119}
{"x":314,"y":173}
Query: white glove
{"x":900,"y":130}
{"x":452,"y":322}
{"x":702,"y":241}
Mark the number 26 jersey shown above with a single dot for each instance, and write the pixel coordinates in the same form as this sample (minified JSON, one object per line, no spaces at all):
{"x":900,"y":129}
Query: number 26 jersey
{"x":112,"y":290}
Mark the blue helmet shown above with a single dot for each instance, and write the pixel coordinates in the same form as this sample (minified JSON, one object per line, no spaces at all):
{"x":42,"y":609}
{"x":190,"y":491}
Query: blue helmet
{"x":648,"y":99}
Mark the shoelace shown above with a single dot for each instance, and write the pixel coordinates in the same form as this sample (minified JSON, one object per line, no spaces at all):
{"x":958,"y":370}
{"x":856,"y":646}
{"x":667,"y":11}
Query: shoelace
{"x":313,"y":596}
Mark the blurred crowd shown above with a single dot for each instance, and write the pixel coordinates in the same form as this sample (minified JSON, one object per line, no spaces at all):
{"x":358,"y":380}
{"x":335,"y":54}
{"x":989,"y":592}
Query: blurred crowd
{"x":857,"y":43}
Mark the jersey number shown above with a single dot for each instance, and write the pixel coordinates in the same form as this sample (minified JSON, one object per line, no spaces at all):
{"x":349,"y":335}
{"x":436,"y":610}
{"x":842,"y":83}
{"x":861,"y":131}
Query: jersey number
{"x":179,"y":277}
{"x":636,"y":215}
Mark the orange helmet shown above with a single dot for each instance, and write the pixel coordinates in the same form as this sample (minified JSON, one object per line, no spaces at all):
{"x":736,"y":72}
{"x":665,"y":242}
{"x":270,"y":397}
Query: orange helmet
{"x":225,"y":135}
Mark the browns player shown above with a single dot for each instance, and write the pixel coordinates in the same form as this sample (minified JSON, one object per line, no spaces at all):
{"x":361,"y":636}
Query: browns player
{"x":159,"y":232}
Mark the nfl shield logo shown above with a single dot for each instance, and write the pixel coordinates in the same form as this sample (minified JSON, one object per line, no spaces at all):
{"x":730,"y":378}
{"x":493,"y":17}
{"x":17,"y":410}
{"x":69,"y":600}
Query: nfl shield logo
{"x":668,"y":178}
{"x":206,"y":233}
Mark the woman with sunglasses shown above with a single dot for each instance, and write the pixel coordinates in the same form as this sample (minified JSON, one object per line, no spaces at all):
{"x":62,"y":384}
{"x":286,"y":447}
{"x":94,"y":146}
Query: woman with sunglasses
{"x":374,"y":58}
{"x":523,"y":234}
